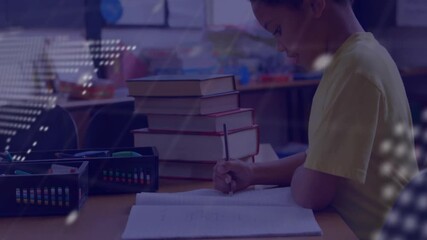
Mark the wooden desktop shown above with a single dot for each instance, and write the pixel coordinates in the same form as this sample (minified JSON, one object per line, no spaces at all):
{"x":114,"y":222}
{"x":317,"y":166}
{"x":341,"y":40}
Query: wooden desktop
{"x":105,"y":217}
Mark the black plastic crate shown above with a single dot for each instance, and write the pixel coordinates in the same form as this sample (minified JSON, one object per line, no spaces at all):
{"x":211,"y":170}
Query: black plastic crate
{"x":111,"y":175}
{"x":41,"y":192}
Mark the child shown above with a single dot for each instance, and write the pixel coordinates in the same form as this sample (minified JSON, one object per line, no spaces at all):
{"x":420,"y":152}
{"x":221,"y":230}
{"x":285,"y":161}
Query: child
{"x":359,"y":111}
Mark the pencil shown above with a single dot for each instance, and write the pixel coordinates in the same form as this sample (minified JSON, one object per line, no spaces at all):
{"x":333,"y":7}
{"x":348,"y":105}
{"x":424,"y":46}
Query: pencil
{"x":227,"y":154}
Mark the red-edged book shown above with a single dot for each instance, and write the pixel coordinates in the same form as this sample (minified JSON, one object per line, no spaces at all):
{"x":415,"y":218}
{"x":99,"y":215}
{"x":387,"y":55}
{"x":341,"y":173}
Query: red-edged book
{"x":235,"y":119}
{"x":199,"y":146}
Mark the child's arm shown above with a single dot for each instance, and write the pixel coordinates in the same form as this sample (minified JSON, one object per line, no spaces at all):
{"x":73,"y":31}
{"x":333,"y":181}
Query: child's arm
{"x":240,"y":175}
{"x":313,"y":189}
{"x":277,"y":172}
{"x":310,"y":189}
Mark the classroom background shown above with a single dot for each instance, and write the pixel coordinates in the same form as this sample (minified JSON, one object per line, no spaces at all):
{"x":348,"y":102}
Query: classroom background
{"x":63,"y":71}
{"x":75,"y":56}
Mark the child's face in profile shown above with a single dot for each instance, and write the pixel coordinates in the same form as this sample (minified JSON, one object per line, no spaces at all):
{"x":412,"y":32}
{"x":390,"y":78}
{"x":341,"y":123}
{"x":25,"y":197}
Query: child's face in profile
{"x":295,"y":31}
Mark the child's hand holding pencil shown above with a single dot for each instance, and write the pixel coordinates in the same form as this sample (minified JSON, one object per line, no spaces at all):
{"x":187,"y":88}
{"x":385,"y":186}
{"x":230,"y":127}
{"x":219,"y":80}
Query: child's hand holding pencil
{"x":231,"y":175}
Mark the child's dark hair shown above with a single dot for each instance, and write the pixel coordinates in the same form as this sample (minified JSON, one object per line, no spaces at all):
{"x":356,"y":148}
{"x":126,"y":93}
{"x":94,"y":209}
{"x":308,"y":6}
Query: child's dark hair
{"x":293,"y":3}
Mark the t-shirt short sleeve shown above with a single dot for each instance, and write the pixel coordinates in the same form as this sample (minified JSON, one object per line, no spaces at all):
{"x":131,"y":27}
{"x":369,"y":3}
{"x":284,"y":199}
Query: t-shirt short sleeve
{"x":343,"y":138}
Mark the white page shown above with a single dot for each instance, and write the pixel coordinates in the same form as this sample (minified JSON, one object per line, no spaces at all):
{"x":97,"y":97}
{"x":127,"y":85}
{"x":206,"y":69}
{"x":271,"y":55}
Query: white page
{"x":264,"y":197}
{"x":151,"y":221}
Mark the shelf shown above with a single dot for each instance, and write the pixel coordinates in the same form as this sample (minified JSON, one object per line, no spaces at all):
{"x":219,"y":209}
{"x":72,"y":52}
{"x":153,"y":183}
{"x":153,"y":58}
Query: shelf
{"x":276,"y":85}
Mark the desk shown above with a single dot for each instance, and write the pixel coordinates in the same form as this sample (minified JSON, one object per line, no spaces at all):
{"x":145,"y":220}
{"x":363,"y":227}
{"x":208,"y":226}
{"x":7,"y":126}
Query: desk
{"x":276,"y":85}
{"x":82,"y":110}
{"x":105,"y":217}
{"x":79,"y":104}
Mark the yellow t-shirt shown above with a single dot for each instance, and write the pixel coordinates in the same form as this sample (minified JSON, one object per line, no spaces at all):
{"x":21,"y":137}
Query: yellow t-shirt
{"x":360,"y":129}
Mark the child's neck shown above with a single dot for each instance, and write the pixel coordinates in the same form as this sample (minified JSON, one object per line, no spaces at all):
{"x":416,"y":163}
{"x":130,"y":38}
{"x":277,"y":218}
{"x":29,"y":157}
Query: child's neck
{"x":343,"y":24}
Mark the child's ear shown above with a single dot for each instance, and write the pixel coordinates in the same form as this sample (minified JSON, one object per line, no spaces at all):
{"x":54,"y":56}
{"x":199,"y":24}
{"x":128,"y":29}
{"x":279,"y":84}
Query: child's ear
{"x":317,"y":7}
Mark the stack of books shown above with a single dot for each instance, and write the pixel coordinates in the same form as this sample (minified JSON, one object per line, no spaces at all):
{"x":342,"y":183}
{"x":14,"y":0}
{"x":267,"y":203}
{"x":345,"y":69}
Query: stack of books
{"x":186,"y":115}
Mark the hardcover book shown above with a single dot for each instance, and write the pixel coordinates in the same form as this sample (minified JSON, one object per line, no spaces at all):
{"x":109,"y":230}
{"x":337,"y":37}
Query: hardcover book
{"x":199,"y":146}
{"x":181,"y":85}
{"x":188,"y":105}
{"x":235,"y":119}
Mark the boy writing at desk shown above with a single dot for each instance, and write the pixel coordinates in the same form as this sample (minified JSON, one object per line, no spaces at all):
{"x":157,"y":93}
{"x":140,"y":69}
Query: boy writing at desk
{"x":359,"y":104}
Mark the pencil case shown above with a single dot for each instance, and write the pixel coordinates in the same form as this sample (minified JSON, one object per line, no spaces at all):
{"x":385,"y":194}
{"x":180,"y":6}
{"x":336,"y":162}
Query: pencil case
{"x":30,"y":188}
{"x":111,"y":171}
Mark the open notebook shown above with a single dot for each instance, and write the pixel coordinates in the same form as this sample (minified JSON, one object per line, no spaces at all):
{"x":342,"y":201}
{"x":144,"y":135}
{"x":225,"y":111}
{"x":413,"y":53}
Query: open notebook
{"x":209,"y":213}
